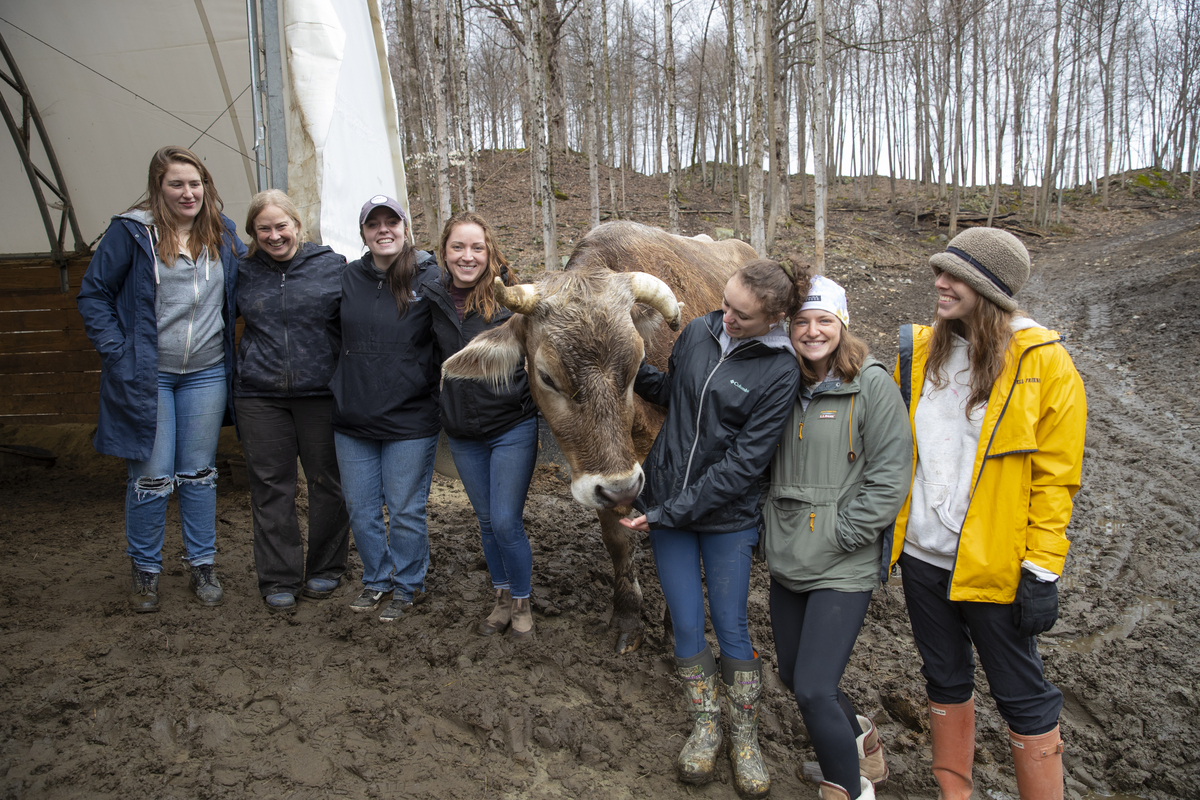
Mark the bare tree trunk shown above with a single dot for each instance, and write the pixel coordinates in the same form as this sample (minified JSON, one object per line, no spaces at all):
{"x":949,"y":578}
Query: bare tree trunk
{"x":820,"y":171}
{"x":735,"y":167}
{"x":672,"y":132}
{"x":463,"y":97}
{"x":589,"y":128}
{"x":611,"y":152}
{"x":435,"y":64}
{"x":414,"y":127}
{"x":754,"y":22}
{"x":537,"y":102}
{"x":1048,"y":170}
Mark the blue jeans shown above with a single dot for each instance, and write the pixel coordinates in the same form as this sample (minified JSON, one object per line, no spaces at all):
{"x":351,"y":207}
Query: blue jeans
{"x":726,"y":557}
{"x":190,"y":411}
{"x":496,"y":474}
{"x":397,"y":472}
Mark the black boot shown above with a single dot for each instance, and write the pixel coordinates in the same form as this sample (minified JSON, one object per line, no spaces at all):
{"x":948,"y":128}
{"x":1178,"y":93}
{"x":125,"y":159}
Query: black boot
{"x":143,"y":593}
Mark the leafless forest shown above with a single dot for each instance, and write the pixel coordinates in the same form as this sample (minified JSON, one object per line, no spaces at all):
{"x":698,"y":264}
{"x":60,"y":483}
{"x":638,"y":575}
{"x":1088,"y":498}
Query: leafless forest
{"x":1047,"y":96}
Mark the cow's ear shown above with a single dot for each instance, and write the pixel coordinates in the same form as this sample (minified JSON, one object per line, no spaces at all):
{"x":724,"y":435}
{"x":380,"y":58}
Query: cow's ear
{"x":491,"y":356}
{"x":648,"y":321}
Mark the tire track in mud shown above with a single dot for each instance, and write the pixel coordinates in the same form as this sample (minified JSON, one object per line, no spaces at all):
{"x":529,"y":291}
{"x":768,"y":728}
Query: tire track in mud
{"x":1129,"y":307}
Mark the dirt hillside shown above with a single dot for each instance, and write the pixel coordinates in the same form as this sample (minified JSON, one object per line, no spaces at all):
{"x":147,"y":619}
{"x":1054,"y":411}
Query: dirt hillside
{"x":235,"y":702}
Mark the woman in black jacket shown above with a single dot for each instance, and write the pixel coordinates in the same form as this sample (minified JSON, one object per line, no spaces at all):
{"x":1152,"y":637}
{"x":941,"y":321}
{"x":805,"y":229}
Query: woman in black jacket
{"x":385,"y":414}
{"x":492,"y":429}
{"x":731,"y":383}
{"x":287,"y":289}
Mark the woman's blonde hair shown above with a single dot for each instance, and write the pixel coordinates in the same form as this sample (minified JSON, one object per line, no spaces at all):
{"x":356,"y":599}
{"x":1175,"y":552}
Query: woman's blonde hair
{"x":481,"y":298}
{"x":259,"y":203}
{"x":208,"y":228}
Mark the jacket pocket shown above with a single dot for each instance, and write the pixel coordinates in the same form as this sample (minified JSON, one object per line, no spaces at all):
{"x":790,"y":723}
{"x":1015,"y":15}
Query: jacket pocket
{"x":800,"y":532}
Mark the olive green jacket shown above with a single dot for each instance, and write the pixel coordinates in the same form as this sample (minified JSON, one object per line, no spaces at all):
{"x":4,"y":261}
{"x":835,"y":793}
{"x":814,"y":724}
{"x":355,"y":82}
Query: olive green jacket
{"x":838,"y":479}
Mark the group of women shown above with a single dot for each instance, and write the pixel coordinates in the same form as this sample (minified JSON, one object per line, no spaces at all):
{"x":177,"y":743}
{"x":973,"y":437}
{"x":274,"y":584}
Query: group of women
{"x":337,"y":367}
{"x":960,"y":465}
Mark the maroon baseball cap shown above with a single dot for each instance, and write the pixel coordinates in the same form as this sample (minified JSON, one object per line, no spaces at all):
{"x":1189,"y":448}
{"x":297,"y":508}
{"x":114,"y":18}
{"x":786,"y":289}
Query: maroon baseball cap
{"x":381,"y":201}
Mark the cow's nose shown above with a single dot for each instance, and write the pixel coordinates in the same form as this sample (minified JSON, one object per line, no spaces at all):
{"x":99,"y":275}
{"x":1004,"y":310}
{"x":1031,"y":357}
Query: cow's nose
{"x":624,"y":496}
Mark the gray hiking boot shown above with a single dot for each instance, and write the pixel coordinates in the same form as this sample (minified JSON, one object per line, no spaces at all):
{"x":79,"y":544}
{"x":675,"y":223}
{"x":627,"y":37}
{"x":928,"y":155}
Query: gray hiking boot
{"x":206,"y":586}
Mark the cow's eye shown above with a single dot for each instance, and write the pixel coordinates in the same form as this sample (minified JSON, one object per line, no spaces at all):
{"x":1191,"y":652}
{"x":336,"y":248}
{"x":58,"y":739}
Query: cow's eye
{"x":547,"y":380}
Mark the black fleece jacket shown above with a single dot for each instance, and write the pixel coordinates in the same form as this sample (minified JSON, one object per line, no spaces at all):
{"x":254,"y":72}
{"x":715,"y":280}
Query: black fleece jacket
{"x":473,"y":409}
{"x":386,"y":383}
{"x":725,"y":417}
{"x":284,"y":351}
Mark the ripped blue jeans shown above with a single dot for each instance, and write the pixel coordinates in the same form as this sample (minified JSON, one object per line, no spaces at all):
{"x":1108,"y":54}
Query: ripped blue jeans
{"x":191,"y":408}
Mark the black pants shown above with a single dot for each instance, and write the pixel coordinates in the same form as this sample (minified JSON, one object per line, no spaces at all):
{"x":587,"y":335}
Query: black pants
{"x":814,"y":636}
{"x":275,"y":430}
{"x":945,"y":629}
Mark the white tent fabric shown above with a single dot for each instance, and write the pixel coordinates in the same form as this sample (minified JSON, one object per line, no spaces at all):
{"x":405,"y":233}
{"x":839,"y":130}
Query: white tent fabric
{"x":115,"y":81}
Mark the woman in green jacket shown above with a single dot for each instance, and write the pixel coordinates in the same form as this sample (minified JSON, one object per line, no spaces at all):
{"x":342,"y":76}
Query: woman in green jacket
{"x":838,"y":479}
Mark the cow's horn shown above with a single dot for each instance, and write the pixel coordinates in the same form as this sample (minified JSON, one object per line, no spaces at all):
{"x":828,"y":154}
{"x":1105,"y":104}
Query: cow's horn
{"x":520,"y":299}
{"x":656,"y":294}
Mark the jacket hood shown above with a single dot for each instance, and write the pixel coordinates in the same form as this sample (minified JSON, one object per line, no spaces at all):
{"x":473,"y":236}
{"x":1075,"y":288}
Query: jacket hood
{"x":141,"y":216}
{"x":776,"y":338}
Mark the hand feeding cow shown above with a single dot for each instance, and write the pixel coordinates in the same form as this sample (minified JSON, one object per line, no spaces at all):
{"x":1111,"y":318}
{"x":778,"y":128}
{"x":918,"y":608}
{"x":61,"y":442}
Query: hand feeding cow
{"x":582,"y":333}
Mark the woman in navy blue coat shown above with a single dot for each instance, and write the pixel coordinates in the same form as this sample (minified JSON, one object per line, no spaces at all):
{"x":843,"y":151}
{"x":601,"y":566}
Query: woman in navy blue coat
{"x":157,"y":303}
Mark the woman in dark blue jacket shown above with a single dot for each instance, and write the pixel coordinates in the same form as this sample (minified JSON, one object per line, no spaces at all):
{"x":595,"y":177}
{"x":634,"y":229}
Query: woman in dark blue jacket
{"x":385,"y":413}
{"x":157,"y":302}
{"x":732,"y":381}
{"x":492,"y":429}
{"x":287,"y":290}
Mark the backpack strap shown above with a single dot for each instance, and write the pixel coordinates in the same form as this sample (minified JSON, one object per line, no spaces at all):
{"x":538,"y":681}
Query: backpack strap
{"x":906,"y":360}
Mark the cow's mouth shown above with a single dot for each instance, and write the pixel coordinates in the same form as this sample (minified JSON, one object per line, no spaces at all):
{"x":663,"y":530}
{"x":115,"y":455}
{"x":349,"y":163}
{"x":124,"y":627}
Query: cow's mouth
{"x":606,"y":492}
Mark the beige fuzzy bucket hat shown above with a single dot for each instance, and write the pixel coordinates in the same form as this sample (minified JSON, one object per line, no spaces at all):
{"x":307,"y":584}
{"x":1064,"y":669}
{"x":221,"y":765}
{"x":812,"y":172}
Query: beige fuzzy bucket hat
{"x":992,"y":262}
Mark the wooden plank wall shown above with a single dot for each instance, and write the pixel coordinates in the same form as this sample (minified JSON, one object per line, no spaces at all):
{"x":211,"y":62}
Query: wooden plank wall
{"x":49,"y":372}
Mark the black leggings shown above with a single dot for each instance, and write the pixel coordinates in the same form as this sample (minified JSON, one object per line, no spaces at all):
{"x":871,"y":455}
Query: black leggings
{"x":814,"y":636}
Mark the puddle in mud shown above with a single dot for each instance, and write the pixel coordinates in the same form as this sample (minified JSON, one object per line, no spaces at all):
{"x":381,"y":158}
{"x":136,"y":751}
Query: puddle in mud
{"x":1130,"y":617}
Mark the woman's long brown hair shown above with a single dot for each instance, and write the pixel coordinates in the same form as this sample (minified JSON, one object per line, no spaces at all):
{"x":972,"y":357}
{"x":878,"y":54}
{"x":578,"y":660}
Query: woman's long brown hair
{"x":208,"y":229}
{"x":481,"y":298}
{"x":987,"y":331}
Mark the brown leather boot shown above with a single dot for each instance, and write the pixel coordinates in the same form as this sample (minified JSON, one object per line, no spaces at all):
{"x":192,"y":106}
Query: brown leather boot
{"x":1038,"y":763}
{"x":952,"y":729}
{"x":522,"y":620}
{"x":870,"y":752}
{"x":501,"y":616}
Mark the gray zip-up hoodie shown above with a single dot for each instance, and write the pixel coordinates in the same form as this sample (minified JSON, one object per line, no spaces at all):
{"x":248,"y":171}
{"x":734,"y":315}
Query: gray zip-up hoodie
{"x":188,"y":298}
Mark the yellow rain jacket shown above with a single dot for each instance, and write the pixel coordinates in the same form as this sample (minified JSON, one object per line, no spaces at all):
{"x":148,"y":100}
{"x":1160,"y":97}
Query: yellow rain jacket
{"x":1027,"y":466}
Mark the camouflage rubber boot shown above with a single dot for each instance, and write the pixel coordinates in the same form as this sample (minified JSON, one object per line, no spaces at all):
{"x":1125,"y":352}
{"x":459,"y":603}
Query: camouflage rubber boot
{"x":743,"y":688}
{"x":697,"y":761}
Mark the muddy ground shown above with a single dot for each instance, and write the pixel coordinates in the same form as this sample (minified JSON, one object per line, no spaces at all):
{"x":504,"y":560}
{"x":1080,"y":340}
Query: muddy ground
{"x":235,"y":702}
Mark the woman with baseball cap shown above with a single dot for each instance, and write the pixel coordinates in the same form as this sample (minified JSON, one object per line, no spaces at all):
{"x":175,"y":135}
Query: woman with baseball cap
{"x":838,"y":478}
{"x":998,"y":412}
{"x":385,"y":406}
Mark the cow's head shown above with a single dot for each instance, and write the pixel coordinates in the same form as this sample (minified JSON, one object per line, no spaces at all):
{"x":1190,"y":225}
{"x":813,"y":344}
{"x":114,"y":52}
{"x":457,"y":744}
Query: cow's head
{"x":581,"y":335}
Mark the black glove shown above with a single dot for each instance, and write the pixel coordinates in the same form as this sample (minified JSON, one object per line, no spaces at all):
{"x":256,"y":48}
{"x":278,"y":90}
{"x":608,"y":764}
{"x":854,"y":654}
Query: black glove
{"x":1036,"y":608}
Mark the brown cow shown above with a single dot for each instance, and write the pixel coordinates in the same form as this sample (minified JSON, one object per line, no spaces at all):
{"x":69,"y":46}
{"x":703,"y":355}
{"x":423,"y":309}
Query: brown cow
{"x":582,"y":333}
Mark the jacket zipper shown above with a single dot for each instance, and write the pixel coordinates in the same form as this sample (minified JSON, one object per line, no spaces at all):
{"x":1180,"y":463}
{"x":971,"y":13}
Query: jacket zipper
{"x":187,"y":342}
{"x":287,"y":348}
{"x":687,"y":473}
{"x":991,"y":438}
